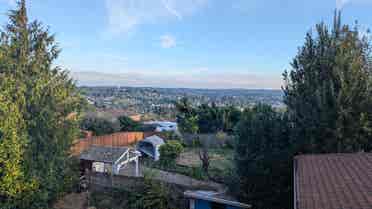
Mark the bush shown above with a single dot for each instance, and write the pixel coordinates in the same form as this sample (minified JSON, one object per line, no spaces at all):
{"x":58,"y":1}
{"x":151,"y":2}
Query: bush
{"x":221,"y":138}
{"x":197,"y":173}
{"x":170,"y":151}
{"x":149,"y":195}
{"x":171,"y":135}
{"x":153,"y":195}
{"x":100,"y":125}
{"x":128,"y":124}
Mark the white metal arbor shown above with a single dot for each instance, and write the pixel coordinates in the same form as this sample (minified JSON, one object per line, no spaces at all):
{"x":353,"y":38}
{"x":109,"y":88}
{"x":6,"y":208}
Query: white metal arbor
{"x":125,"y":159}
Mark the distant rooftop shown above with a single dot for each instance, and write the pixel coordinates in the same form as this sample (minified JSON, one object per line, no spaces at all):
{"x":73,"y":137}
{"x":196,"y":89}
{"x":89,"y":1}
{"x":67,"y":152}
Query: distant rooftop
{"x":333,"y":181}
{"x":162,"y":123}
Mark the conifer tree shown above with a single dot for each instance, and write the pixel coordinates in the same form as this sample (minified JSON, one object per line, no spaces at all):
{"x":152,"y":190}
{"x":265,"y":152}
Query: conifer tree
{"x":45,"y":108}
{"x":14,"y":183}
{"x":328,"y":91}
{"x":263,"y":159}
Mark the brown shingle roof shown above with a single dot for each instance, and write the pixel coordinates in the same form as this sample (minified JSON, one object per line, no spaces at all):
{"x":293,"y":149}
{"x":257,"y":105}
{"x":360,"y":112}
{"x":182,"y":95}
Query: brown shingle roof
{"x":333,"y":181}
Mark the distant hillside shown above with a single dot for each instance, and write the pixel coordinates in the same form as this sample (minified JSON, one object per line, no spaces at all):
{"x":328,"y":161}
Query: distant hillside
{"x":173,"y":80}
{"x":160,"y":101}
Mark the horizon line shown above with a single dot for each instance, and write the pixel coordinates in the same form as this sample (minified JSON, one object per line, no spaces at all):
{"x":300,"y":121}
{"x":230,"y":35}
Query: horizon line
{"x":186,"y":88}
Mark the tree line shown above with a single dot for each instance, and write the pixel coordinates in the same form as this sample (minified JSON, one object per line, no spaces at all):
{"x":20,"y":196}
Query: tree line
{"x":101,"y":125}
{"x":206,"y":118}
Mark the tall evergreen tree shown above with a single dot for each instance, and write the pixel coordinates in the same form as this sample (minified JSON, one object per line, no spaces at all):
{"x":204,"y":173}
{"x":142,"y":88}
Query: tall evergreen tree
{"x":14,"y":183}
{"x":45,"y":104}
{"x":328,"y":91}
{"x":263,"y":159}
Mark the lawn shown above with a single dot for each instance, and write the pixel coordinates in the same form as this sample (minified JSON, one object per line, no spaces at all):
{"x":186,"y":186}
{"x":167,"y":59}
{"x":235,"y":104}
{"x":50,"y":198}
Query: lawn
{"x":219,"y":158}
{"x":188,"y":163}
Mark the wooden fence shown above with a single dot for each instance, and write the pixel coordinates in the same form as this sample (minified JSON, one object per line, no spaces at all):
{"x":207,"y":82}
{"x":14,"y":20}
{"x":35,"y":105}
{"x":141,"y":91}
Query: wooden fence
{"x":119,"y":139}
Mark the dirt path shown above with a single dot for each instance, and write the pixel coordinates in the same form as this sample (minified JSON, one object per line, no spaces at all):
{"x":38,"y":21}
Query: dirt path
{"x":173,"y":178}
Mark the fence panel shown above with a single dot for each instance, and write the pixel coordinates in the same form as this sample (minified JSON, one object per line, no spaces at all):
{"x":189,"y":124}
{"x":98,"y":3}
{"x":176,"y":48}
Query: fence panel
{"x":119,"y":139}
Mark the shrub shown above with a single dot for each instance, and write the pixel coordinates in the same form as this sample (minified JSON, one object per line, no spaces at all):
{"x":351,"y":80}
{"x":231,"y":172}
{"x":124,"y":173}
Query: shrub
{"x":128,"y":124}
{"x":197,"y":173}
{"x":196,"y":142}
{"x":170,"y":151}
{"x":221,"y":137}
{"x":172,"y":135}
{"x":100,"y":125}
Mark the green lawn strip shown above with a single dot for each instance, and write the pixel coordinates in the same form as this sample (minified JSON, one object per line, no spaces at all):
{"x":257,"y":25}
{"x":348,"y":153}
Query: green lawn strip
{"x":221,"y":165}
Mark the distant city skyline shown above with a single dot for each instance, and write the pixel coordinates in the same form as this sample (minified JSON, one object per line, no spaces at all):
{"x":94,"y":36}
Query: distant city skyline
{"x":184,"y":43}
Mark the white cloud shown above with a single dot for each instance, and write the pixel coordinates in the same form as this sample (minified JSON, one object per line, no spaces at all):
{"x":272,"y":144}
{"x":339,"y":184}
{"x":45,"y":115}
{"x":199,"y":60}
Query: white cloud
{"x":340,"y":4}
{"x":224,"y":80}
{"x":125,"y":15}
{"x":168,"y":41}
{"x":170,"y":9}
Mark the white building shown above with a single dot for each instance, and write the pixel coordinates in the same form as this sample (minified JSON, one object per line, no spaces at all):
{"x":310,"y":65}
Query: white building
{"x":163,"y":125}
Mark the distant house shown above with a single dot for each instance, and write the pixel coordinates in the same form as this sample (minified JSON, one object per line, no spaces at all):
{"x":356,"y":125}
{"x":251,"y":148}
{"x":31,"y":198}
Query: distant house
{"x":103,"y":159}
{"x":212,"y":200}
{"x":333,"y":181}
{"x":150,"y":146}
{"x":163,"y":125}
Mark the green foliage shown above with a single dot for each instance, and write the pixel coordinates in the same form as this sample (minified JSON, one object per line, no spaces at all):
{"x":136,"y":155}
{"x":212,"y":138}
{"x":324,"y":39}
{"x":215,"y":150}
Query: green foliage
{"x":170,"y":151}
{"x":206,"y":118}
{"x":71,"y":181}
{"x":99,"y":125}
{"x":39,"y":112}
{"x":187,"y":117}
{"x":328,"y":98}
{"x":220,"y":169}
{"x":263,"y":159}
{"x":154,"y":195}
{"x":13,"y":180}
{"x":148,"y":195}
{"x":112,"y":199}
{"x":328,"y":91}
{"x":127,"y":124}
{"x":196,"y":142}
{"x":171,"y":135}
{"x":210,"y":118}
{"x":187,"y":120}
{"x":193,"y":172}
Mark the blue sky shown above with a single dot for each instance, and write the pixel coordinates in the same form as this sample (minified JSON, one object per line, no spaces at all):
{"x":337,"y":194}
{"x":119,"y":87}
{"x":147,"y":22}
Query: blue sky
{"x":184,"y":43}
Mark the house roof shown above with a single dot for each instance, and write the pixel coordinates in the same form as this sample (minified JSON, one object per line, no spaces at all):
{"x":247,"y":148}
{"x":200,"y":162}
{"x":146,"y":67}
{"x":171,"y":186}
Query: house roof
{"x":333,"y":181}
{"x":216,"y":197}
{"x":103,"y":154}
{"x":154,"y":140}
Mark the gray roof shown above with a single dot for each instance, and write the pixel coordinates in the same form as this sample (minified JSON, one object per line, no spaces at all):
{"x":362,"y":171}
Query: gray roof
{"x":103,"y":154}
{"x":216,"y":197}
{"x":154,"y":140}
